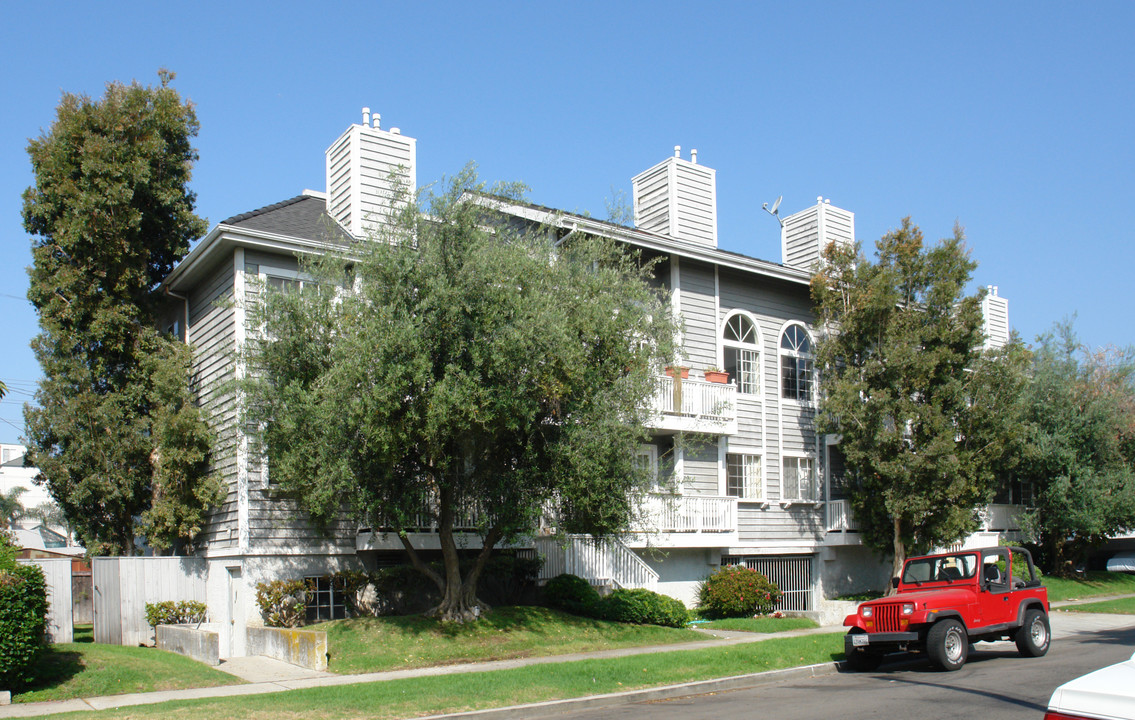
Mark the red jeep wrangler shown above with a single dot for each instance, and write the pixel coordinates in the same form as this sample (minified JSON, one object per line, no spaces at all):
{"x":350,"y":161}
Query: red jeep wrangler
{"x":945,"y":602}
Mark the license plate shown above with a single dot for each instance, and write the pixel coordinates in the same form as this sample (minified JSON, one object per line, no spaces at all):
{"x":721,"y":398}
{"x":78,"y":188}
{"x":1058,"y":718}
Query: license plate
{"x":860,"y":639}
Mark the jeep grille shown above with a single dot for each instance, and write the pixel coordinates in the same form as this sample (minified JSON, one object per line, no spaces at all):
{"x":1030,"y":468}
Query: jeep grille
{"x":887,"y":617}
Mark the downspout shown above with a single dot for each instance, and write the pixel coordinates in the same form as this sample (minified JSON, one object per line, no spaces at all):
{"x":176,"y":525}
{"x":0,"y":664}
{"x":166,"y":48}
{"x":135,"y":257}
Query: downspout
{"x":573,"y":231}
{"x":184,"y":299}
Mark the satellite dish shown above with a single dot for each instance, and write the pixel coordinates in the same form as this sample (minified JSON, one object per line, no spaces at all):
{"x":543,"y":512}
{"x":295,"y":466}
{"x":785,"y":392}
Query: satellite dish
{"x":774,"y":210}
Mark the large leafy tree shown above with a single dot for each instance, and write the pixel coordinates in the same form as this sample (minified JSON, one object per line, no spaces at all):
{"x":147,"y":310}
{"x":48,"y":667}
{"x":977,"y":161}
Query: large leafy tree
{"x":470,"y":367}
{"x":114,"y":436}
{"x":1079,"y":461}
{"x":925,"y":419}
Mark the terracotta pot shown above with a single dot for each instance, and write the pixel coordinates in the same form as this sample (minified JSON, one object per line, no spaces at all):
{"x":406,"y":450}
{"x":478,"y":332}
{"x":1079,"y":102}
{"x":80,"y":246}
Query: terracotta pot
{"x":716,"y":376}
{"x":671,"y":371}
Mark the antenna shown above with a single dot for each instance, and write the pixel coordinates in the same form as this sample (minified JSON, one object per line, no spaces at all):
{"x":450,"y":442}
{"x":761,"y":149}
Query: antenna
{"x":775,"y":210}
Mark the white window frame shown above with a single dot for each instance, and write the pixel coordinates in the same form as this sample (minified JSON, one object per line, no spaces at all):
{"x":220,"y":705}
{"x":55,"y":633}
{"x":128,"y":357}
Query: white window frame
{"x":334,"y":600}
{"x":744,"y":348}
{"x":796,"y":355}
{"x":647,"y":456}
{"x":752,"y":486}
{"x":796,"y":497}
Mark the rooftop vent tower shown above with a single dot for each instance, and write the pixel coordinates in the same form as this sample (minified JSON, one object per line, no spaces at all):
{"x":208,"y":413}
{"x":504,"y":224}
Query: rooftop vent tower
{"x":678,"y":198}
{"x":804,"y":235}
{"x":364,"y":167}
{"x":995,"y":319}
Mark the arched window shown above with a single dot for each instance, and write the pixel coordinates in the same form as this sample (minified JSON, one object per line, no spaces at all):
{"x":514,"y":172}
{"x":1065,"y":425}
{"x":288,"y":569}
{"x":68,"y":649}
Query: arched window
{"x":740,"y":347}
{"x":796,"y":364}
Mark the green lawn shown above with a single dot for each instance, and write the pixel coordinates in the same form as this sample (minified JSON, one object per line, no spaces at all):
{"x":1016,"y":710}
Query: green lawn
{"x":1094,"y":584}
{"x":1125,"y":606}
{"x":464,"y":692}
{"x":391,"y":643}
{"x":85,"y":669}
{"x":759,"y":625}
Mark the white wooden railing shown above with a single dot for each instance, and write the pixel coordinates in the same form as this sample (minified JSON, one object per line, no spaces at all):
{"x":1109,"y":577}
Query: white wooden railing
{"x":999,"y":517}
{"x":605,"y":563}
{"x":695,"y":399}
{"x":687,"y":514}
{"x":840,"y":517}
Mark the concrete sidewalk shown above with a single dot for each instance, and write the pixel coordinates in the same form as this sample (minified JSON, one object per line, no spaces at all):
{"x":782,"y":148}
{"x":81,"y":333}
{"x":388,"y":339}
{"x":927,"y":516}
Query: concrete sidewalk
{"x":265,"y":675}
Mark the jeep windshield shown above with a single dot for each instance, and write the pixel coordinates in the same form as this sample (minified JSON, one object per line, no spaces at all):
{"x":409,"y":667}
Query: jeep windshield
{"x":940,"y":568}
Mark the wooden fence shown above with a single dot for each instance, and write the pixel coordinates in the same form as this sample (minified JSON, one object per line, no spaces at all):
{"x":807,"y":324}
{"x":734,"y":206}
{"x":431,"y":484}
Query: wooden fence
{"x":123,"y":586}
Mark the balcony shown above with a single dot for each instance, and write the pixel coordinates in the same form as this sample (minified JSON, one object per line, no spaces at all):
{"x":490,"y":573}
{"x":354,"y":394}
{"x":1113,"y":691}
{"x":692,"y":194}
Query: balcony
{"x":685,"y":521}
{"x":686,"y":405}
{"x":998,"y":521}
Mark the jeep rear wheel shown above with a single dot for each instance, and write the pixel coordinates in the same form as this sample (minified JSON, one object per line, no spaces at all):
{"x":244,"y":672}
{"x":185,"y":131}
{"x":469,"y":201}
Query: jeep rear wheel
{"x":947,"y":644}
{"x":1034,"y":635}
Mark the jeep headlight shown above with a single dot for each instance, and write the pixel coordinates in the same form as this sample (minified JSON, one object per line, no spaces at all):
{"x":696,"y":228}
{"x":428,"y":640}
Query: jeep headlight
{"x":908,"y":608}
{"x":865,"y":611}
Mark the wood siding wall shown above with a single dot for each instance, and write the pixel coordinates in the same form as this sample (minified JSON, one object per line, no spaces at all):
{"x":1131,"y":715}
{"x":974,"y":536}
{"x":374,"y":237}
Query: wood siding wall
{"x":767,"y":424}
{"x":276,"y":522}
{"x":211,"y":318}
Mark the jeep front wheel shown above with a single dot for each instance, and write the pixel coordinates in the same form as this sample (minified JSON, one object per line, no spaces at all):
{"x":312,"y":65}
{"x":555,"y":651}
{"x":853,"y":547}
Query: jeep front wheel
{"x":947,"y":644}
{"x":864,"y":660}
{"x":1034,"y":635}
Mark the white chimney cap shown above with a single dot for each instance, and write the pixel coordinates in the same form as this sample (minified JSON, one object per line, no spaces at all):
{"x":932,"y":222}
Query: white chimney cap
{"x":694,"y":156}
{"x":677,"y":151}
{"x":366,"y":116}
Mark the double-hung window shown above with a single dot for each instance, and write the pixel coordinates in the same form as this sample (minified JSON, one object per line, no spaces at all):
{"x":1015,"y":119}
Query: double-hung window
{"x":798,"y":479}
{"x":743,"y":476}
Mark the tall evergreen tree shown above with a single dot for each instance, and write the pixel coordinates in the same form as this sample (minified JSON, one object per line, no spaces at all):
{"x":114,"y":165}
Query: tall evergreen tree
{"x":111,"y":213}
{"x":926,"y":420}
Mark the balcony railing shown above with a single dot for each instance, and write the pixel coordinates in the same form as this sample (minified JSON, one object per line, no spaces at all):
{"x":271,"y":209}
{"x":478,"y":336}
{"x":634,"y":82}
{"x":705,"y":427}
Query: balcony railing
{"x":840,"y":518}
{"x":662,"y":513}
{"x":694,"y":405}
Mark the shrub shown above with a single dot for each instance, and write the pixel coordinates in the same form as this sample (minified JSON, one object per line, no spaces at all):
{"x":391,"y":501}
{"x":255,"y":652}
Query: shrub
{"x":642,"y":607}
{"x":168,"y":612}
{"x":352,"y":586}
{"x":572,"y":594}
{"x":402,"y":590}
{"x":23,"y":619}
{"x":283,"y":603}
{"x":507,"y":579}
{"x":736,"y":591}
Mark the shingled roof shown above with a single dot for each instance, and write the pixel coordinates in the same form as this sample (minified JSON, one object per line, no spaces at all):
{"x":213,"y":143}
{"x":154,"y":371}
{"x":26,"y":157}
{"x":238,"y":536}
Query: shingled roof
{"x":303,"y":216}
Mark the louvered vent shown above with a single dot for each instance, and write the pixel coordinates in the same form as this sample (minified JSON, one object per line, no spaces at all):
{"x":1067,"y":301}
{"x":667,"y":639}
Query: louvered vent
{"x":805,"y":234}
{"x":678,"y":198}
{"x":363,"y":167}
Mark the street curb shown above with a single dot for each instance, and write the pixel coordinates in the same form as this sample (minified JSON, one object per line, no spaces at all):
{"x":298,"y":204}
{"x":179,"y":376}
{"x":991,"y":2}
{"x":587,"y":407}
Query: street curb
{"x":666,"y":692}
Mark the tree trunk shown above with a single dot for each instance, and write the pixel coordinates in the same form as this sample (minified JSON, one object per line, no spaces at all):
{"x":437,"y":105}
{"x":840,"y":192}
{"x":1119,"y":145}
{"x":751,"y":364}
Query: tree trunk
{"x":899,"y":556}
{"x":459,"y":601}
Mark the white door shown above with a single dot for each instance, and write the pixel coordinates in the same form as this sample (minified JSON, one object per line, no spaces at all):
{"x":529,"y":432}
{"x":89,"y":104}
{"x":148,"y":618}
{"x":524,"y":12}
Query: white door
{"x":236,"y":614}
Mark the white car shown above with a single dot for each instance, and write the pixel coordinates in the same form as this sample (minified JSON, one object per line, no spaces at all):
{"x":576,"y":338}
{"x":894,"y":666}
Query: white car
{"x":1106,"y":694}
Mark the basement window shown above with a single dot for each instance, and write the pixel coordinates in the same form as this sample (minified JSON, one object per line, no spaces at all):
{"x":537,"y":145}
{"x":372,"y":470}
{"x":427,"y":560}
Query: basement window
{"x":324,"y":602}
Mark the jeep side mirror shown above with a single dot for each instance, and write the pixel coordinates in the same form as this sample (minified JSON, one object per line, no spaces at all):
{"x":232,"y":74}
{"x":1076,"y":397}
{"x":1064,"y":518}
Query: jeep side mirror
{"x":895,"y":583}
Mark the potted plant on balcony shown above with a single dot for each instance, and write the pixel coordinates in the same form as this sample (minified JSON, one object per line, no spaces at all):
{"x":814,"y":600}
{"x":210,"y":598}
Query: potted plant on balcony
{"x":678,"y":371}
{"x":716,"y":375}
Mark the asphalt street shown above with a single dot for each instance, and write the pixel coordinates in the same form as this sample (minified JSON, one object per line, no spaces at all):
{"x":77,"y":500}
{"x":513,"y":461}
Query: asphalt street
{"x":995,"y":684}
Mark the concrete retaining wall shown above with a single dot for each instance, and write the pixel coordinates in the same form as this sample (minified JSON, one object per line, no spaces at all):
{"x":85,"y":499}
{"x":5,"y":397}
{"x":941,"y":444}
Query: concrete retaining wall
{"x":197,"y":642}
{"x":306,"y":648}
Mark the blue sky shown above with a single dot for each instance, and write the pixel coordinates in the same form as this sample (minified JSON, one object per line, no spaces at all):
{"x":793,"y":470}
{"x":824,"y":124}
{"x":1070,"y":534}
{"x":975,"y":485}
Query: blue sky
{"x":1012,"y":119}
